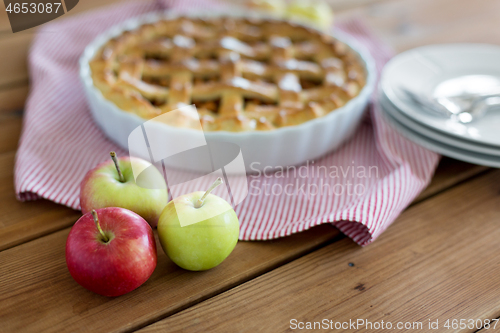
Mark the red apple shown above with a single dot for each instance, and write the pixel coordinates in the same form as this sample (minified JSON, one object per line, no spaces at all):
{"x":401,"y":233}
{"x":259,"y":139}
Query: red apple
{"x":111,"y":251}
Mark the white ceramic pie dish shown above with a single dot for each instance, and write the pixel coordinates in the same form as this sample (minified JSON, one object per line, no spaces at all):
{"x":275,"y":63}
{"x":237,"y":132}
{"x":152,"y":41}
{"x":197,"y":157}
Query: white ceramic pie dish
{"x":260,"y":149}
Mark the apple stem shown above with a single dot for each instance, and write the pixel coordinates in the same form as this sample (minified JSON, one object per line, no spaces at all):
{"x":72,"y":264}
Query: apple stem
{"x":199,"y":202}
{"x":115,"y":160}
{"x":96,"y":221}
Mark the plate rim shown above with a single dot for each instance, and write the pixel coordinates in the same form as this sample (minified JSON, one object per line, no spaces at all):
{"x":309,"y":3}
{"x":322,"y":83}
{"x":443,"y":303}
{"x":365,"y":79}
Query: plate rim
{"x":431,"y":144}
{"x":404,"y":106}
{"x":449,"y":140}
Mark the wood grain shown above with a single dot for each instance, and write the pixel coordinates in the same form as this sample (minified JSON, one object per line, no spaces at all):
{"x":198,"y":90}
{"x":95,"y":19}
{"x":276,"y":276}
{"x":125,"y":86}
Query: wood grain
{"x":411,"y":23}
{"x":439,"y":261}
{"x":4,"y":19}
{"x":13,"y":97}
{"x":24,"y":221}
{"x":37,"y":292}
{"x":13,"y":63}
{"x":10,"y":130}
{"x":83,"y":5}
{"x":449,"y":173}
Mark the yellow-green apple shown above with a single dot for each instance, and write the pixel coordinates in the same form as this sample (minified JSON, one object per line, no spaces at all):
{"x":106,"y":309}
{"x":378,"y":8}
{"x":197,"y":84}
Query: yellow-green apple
{"x":112,"y":184}
{"x":198,"y":230}
{"x":111,"y":251}
{"x":318,"y":13}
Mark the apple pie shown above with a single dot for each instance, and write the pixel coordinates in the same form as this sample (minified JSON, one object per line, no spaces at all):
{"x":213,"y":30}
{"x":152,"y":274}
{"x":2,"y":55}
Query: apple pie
{"x":242,"y":74}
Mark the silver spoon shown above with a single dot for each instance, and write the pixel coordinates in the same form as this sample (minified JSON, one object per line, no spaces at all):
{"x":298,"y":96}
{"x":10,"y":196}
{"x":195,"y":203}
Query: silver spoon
{"x":463,"y":98}
{"x":478,"y":109}
{"x":427,"y":103}
{"x":463,"y":109}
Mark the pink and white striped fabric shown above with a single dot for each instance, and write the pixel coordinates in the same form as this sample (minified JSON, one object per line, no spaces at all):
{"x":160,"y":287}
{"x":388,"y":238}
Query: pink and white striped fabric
{"x":60,"y":143}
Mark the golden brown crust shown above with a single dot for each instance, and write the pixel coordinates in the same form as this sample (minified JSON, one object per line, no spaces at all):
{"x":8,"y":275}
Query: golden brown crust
{"x":242,"y":74}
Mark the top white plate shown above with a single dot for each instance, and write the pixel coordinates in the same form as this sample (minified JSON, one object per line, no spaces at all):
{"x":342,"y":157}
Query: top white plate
{"x":423,"y":69}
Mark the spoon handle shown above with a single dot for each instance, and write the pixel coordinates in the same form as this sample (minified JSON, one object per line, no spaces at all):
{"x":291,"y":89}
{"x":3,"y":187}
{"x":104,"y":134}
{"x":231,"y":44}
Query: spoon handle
{"x":479,"y":108}
{"x":427,"y":103}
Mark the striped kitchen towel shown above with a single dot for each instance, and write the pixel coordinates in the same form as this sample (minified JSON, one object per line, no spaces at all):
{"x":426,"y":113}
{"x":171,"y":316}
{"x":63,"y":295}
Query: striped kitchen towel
{"x":370,"y":179}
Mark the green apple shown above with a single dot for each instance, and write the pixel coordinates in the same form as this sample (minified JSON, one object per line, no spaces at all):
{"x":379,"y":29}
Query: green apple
{"x":198,"y":230}
{"x":318,"y":13}
{"x":276,"y":7}
{"x":112,"y":184}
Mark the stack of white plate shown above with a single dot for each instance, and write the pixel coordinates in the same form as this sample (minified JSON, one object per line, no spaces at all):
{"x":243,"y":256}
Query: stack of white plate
{"x":427,"y":70}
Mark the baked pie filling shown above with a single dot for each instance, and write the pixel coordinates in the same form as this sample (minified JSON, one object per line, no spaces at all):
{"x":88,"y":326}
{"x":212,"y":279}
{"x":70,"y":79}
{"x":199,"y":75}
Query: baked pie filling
{"x":242,"y":74}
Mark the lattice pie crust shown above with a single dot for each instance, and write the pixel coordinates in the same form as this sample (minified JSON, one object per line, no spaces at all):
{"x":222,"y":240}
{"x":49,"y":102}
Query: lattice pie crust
{"x":242,"y":74}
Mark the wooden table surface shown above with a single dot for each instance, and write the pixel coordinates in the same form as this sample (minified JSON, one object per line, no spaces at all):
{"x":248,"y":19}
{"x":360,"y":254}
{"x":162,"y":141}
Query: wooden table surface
{"x":438,"y":261}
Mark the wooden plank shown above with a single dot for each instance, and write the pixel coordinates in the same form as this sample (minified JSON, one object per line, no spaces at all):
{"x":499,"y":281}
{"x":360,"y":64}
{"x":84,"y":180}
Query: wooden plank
{"x":38,"y":294}
{"x":83,"y":5}
{"x":10,"y":129}
{"x":13,"y":97}
{"x":24,"y":221}
{"x":449,"y":173}
{"x":489,"y":329}
{"x":13,"y":63}
{"x":4,"y":19}
{"x":439,"y":261}
{"x":412,"y":23}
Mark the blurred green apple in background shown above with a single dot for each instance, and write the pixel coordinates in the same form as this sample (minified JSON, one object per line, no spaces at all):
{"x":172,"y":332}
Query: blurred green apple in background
{"x":317,"y":12}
